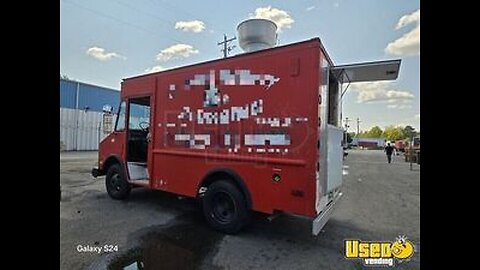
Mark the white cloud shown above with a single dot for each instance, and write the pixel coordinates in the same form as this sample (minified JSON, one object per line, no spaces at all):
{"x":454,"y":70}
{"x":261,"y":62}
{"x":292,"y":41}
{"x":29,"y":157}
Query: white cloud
{"x":280,"y":17}
{"x":399,"y":106}
{"x":417,"y":116}
{"x":100,"y":54}
{"x":408,"y":19}
{"x":399,"y":100}
{"x":154,"y":69}
{"x":310,"y":8}
{"x":176,"y":51}
{"x":409,"y":43}
{"x":382,"y":92}
{"x":194,"y":26}
{"x":336,"y":4}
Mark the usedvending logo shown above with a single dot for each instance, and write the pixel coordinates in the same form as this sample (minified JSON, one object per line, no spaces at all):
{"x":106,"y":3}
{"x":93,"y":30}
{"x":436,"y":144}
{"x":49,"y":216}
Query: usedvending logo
{"x":374,"y":253}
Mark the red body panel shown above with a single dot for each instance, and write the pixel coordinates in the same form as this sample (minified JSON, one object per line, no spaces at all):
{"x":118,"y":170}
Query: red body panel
{"x":112,"y":146}
{"x":286,"y":80}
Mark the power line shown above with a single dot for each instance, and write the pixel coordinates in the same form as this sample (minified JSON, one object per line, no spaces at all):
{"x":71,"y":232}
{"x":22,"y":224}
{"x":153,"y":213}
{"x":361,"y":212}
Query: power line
{"x":182,"y":10}
{"x":226,"y":49}
{"x":171,"y":23}
{"x":118,"y":20}
{"x":143,"y":12}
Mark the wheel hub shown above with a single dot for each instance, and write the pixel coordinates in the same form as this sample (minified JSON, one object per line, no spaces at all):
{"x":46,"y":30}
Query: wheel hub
{"x":116,"y":182}
{"x":223,"y":208}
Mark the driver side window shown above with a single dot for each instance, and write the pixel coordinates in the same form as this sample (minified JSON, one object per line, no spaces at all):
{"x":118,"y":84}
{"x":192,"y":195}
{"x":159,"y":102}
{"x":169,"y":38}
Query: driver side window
{"x":120,"y":126}
{"x":139,"y":114}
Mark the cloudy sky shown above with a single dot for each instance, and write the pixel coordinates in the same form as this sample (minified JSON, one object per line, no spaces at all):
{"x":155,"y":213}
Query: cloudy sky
{"x":103,"y":41}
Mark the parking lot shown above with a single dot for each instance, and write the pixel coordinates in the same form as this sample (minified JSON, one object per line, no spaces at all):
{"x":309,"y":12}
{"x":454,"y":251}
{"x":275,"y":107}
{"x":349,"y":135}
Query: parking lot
{"x":381,"y":201}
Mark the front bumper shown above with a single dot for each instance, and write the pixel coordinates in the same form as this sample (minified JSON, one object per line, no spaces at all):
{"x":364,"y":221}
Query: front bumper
{"x":97,"y":172}
{"x":324,"y":216}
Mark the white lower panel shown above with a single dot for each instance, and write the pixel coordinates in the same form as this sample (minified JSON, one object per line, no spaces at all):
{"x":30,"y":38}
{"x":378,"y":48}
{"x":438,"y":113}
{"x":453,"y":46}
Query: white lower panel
{"x":334,"y":158}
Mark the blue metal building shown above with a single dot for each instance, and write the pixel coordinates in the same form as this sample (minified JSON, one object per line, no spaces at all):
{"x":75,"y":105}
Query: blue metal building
{"x":81,"y":114}
{"x":81,"y":96}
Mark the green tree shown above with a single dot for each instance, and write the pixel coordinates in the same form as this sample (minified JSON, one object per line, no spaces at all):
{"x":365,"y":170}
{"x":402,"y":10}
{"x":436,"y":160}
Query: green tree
{"x":409,"y":132}
{"x":363,"y":134}
{"x":375,"y":132}
{"x":392,"y":133}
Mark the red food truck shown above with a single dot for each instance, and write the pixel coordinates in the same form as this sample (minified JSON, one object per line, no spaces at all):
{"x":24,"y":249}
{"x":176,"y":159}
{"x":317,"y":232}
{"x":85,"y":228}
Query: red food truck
{"x":259,"y":131}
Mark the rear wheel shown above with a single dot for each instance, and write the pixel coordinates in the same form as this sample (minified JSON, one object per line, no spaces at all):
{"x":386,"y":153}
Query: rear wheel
{"x":116,"y":183}
{"x":225,"y":207}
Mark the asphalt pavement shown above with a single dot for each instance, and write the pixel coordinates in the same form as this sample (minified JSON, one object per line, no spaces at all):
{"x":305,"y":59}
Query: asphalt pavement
{"x":381,"y":201}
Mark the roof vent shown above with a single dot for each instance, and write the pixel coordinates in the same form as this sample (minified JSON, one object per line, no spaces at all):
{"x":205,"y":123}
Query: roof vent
{"x":257,"y":34}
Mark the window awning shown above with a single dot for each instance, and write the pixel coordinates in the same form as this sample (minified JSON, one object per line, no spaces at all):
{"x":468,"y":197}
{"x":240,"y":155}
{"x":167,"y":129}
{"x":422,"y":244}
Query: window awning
{"x":367,"y":72}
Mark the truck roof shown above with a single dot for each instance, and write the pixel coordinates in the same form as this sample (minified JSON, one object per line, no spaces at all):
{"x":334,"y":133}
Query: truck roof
{"x":312,"y":40}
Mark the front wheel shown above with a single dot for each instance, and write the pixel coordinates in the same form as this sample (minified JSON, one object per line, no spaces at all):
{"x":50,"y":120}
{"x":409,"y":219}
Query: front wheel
{"x":116,"y":183}
{"x":225,"y":207}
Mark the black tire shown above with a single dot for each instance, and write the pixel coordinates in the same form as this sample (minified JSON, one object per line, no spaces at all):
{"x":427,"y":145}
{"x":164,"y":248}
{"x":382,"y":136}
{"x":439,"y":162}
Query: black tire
{"x":225,"y":207}
{"x":116,"y":183}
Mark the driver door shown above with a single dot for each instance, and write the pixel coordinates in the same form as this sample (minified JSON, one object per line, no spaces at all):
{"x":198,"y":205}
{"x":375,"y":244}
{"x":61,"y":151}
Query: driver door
{"x":137,"y":147}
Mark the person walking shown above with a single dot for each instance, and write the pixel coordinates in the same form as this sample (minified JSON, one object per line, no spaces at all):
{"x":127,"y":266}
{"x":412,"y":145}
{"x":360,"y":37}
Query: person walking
{"x":389,"y":151}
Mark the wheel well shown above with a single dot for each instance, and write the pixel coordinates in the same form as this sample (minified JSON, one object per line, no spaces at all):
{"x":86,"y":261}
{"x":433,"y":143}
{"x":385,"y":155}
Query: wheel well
{"x":227,"y":174}
{"x":109,"y":162}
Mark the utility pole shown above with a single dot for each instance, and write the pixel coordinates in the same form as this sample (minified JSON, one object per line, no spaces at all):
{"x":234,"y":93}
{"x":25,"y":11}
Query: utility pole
{"x":226,"y":49}
{"x":346,"y":123}
{"x":346,"y":130}
{"x":358,"y":126}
